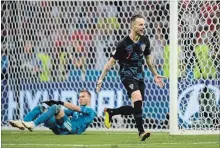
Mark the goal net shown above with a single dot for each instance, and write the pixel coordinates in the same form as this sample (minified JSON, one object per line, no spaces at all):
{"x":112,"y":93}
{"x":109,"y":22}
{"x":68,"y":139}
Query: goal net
{"x":53,"y":49}
{"x":198,"y":66}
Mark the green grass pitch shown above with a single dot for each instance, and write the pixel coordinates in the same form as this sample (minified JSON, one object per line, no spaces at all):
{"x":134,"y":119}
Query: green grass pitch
{"x":92,"y":139}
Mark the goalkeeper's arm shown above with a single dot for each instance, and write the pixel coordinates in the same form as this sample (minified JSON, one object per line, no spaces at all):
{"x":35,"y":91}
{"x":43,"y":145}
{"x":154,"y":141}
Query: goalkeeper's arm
{"x":72,"y":106}
{"x":66,"y":104}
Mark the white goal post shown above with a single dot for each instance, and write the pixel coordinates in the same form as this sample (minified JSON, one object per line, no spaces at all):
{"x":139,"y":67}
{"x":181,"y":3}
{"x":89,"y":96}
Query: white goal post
{"x":173,"y":67}
{"x":53,"y":49}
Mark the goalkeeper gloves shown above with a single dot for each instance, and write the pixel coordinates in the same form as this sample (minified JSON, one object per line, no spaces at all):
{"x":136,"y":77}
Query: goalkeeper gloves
{"x":52,"y":102}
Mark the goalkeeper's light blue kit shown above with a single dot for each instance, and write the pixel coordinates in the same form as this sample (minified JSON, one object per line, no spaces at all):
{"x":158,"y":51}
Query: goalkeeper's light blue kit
{"x":66,"y":125}
{"x":79,"y":122}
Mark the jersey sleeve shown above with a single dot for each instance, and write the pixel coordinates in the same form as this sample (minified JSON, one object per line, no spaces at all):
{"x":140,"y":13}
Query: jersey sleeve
{"x":118,"y":52}
{"x":147,"y":50}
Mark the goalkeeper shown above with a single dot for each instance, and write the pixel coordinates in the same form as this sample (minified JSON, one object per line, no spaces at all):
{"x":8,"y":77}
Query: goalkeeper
{"x":73,"y":120}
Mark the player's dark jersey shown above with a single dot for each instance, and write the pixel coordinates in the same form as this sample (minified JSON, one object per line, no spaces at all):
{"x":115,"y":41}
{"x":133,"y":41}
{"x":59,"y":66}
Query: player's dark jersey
{"x":130,"y":57}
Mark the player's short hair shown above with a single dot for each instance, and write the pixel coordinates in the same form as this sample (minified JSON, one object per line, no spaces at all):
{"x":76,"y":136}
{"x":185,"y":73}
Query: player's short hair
{"x":84,"y":90}
{"x":134,"y":17}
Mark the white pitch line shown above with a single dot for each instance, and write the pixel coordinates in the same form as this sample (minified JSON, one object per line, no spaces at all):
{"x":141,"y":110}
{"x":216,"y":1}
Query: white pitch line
{"x":106,"y":145}
{"x":108,"y":133}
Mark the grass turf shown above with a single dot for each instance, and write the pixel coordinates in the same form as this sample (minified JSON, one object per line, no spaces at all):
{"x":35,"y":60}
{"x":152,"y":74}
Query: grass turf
{"x":37,"y":139}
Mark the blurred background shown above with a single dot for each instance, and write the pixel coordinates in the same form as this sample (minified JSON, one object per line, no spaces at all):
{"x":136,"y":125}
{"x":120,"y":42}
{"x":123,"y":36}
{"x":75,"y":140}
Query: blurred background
{"x":80,"y":35}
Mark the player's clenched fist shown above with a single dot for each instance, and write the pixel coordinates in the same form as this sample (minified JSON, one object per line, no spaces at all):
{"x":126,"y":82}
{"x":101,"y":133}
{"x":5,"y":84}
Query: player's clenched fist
{"x":98,"y":86}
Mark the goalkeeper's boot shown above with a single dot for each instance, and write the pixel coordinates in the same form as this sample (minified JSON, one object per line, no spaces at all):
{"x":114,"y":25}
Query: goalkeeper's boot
{"x":17,"y":124}
{"x":28,"y":125}
{"x":108,"y":118}
{"x":143,"y":136}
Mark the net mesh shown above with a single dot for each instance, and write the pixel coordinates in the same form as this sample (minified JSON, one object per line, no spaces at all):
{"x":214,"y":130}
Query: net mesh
{"x":53,"y":49}
{"x":199,"y":40}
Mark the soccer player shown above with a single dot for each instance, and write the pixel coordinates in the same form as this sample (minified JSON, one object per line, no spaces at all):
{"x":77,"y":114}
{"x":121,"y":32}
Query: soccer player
{"x":57,"y":119}
{"x":129,"y":53}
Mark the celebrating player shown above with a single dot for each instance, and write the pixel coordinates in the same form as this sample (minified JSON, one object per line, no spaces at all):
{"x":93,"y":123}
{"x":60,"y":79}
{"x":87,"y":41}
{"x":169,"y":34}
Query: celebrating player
{"x":129,"y":53}
{"x":73,"y":120}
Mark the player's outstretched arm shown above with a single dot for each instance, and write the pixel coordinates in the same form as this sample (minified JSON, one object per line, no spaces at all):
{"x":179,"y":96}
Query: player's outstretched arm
{"x":149,"y":61}
{"x":107,"y":67}
{"x":72,"y":106}
{"x":157,"y":78}
{"x":66,"y":104}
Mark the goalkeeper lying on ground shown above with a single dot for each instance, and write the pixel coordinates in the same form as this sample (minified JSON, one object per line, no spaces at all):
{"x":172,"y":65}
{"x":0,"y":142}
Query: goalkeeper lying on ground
{"x":57,"y":119}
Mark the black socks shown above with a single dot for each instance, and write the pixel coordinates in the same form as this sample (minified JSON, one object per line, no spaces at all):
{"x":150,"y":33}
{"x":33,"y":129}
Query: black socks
{"x":129,"y":110}
{"x":138,"y":116}
{"x":123,"y":110}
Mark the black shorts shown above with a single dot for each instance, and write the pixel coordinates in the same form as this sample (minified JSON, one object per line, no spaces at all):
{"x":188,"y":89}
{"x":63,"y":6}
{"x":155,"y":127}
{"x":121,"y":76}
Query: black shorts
{"x":132,"y":85}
